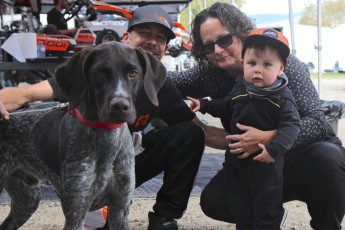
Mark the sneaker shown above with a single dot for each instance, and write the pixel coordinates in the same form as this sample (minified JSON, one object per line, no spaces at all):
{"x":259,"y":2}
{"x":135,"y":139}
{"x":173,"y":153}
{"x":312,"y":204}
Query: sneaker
{"x":283,"y":218}
{"x":105,"y":227}
{"x":157,"y":222}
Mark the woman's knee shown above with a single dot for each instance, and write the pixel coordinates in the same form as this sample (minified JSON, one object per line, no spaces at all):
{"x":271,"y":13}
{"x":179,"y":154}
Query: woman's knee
{"x":325,"y":156}
{"x":324,"y":167}
{"x":318,"y":168}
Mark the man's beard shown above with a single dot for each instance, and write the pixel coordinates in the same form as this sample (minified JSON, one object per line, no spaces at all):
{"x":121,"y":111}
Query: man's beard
{"x":152,"y":49}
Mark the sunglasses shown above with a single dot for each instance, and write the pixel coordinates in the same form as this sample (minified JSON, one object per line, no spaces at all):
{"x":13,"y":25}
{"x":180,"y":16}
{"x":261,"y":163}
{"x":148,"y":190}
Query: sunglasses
{"x":223,"y":42}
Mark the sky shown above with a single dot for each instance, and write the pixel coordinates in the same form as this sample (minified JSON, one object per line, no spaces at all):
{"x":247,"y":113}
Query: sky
{"x":253,"y":7}
{"x":275,"y":13}
{"x":265,"y":12}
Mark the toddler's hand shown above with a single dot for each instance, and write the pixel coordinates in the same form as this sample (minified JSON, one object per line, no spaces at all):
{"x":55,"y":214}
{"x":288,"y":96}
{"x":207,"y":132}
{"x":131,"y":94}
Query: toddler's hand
{"x":194,"y":105}
{"x":264,"y":156}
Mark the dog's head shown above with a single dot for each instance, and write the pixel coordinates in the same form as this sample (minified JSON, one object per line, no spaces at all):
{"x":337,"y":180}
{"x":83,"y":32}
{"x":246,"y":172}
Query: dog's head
{"x":105,"y":80}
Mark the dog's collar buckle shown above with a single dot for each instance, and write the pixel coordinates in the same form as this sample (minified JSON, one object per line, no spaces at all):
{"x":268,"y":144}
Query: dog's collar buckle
{"x":94,"y":124}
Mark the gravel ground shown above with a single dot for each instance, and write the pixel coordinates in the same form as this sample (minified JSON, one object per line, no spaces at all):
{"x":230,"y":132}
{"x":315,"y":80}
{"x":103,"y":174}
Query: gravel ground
{"x":49,"y":215}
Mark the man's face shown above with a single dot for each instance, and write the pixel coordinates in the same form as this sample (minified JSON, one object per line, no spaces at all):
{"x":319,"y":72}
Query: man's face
{"x":64,"y":4}
{"x":150,"y":36}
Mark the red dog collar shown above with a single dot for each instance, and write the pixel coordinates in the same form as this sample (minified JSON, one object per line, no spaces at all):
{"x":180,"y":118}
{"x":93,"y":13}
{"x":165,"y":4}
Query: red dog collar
{"x":94,"y":124}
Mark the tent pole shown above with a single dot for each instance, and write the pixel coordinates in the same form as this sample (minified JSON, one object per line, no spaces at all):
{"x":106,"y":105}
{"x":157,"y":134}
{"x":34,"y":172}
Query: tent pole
{"x":189,"y":15}
{"x":292,"y":30}
{"x":319,"y":45}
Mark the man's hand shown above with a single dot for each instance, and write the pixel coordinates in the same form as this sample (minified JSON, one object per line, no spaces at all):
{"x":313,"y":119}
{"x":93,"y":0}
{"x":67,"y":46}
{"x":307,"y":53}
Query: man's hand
{"x":214,"y":136}
{"x":264,"y":156}
{"x":69,"y":32}
{"x":3,"y":112}
{"x":247,"y":143}
{"x":14,"y":97}
{"x":137,"y":142}
{"x":11,"y":98}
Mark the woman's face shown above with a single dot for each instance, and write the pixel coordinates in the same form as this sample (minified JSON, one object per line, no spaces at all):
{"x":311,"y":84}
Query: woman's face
{"x":227,"y":58}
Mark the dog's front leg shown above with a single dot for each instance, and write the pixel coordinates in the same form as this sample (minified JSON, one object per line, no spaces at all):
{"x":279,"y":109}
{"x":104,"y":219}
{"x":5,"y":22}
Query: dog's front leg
{"x":122,"y":188}
{"x":77,"y":193}
{"x":119,"y":206}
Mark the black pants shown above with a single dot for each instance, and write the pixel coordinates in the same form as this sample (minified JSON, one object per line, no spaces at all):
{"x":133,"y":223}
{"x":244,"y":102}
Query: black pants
{"x":255,"y":192}
{"x":315,"y":175}
{"x":176,"y":150}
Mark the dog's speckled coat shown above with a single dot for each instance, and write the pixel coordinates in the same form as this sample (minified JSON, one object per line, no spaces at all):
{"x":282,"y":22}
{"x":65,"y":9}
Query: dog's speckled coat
{"x":88,"y":167}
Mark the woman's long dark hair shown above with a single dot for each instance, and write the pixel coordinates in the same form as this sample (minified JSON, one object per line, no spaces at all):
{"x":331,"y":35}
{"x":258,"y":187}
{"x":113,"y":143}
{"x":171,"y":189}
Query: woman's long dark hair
{"x":229,"y":16}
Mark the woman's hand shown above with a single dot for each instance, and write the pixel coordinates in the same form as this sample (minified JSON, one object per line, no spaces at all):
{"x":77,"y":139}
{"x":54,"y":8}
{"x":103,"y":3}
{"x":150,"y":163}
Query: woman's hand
{"x":194,"y":105}
{"x":247,"y":143}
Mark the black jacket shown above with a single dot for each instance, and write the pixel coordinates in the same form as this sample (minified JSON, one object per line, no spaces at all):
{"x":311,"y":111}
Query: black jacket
{"x":55,"y":17}
{"x":275,"y":111}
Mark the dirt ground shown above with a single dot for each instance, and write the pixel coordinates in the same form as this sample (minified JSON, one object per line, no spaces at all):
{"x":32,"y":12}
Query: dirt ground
{"x":49,"y":215}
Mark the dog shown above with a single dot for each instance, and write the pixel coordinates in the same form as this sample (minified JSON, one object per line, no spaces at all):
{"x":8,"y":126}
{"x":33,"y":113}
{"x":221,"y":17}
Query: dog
{"x":84,"y":150}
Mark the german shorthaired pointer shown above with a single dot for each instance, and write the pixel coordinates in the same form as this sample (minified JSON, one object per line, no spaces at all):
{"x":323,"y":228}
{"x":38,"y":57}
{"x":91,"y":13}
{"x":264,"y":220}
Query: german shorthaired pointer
{"x":85,"y":151}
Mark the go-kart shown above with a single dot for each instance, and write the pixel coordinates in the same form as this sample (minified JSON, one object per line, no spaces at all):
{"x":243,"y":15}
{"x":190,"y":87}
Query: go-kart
{"x":87,"y":35}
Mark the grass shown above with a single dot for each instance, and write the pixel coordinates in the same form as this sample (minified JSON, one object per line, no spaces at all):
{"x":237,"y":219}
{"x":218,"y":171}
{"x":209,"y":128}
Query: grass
{"x":329,"y":75}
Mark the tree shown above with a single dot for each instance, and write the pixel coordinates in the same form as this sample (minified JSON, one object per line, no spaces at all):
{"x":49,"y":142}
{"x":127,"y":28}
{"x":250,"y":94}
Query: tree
{"x":332,"y":13}
{"x":198,"y":5}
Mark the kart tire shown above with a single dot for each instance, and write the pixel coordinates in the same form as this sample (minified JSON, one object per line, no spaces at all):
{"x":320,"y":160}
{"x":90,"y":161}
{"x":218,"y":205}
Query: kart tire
{"x":107,"y":36}
{"x":174,"y":53}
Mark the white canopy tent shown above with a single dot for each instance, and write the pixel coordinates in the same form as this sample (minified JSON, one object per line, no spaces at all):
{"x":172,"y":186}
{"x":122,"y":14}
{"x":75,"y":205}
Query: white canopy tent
{"x":319,"y":45}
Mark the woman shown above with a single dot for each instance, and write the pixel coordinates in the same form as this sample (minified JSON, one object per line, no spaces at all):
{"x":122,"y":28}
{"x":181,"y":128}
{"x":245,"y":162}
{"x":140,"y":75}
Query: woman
{"x":314,"y":168}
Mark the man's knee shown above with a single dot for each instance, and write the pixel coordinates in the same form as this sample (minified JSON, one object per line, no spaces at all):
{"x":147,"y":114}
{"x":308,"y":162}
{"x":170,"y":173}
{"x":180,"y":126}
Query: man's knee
{"x":206,"y":203}
{"x":192,"y":138}
{"x":190,"y":129}
{"x":215,"y":206}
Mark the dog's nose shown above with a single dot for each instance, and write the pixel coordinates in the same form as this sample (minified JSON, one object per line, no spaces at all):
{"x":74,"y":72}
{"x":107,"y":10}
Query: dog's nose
{"x":120,"y":107}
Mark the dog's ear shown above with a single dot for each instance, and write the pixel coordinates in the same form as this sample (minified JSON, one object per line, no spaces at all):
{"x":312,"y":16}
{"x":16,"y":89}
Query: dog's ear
{"x":154,"y":76}
{"x":71,"y":77}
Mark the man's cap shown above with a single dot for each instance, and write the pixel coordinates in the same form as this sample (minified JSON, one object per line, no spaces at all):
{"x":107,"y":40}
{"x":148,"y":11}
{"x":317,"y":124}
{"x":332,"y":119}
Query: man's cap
{"x":152,"y":14}
{"x":270,"y":37}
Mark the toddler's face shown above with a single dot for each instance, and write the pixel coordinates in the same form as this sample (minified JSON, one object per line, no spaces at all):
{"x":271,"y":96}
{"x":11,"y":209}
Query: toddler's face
{"x":262,"y":67}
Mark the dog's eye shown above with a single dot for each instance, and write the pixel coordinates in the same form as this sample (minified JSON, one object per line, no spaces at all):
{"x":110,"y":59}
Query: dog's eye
{"x":133,"y":74}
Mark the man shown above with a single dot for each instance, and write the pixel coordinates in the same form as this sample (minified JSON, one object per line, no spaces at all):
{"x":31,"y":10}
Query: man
{"x":56,"y":18}
{"x":34,"y":5}
{"x":175,"y":149}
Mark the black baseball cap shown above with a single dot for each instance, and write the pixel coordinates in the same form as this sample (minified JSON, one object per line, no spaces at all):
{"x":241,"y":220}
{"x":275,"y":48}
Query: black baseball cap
{"x":152,"y":14}
{"x":270,"y":37}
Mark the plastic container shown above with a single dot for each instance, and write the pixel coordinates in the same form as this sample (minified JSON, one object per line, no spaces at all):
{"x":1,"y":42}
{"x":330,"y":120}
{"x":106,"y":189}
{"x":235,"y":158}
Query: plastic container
{"x":41,"y":50}
{"x":334,"y":110}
